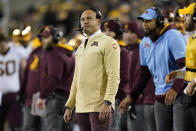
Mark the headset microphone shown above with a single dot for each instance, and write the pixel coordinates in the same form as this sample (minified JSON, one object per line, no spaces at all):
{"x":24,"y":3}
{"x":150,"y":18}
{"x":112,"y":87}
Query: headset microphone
{"x":79,"y":29}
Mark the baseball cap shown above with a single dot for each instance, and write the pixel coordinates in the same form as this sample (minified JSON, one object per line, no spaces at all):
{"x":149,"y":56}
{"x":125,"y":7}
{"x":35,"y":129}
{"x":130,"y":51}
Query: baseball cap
{"x":188,"y":10}
{"x":148,"y":14}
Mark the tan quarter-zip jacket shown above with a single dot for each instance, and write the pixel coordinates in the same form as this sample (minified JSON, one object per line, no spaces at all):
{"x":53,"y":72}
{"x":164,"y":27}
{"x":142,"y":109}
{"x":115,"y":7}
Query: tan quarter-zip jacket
{"x":97,"y":74}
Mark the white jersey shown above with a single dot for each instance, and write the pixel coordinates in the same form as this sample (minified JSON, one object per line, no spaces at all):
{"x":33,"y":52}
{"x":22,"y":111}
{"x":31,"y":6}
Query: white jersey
{"x":29,"y":49}
{"x":9,"y":70}
{"x":26,"y":51}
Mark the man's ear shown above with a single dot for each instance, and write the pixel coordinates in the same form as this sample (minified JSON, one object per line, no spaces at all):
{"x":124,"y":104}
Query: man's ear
{"x":99,"y":22}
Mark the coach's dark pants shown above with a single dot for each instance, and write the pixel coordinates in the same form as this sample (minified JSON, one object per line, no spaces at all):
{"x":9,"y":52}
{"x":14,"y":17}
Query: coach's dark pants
{"x":91,"y":122}
{"x":179,"y":117}
{"x":137,"y":124}
{"x":54,"y":114}
{"x":163,"y":116}
{"x":31,"y":122}
{"x":149,"y":117}
{"x":186,"y":117}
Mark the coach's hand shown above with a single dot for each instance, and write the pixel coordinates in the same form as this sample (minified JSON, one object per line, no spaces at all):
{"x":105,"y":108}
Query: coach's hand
{"x":170,"y":77}
{"x":40,"y":104}
{"x":105,"y":112}
{"x":190,"y":89}
{"x":170,"y":96}
{"x":125,"y":104}
{"x":67,"y":115}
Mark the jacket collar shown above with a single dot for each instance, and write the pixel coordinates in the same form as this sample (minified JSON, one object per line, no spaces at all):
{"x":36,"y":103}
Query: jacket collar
{"x":163,"y":30}
{"x":93,"y":35}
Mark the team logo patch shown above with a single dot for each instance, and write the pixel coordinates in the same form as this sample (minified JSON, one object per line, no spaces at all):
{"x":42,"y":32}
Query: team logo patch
{"x":146,"y":45}
{"x":114,"y":46}
{"x":95,"y":43}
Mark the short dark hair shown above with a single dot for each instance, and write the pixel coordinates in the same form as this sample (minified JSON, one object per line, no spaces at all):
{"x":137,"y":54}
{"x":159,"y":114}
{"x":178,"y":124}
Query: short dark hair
{"x":2,"y":37}
{"x":98,"y":13}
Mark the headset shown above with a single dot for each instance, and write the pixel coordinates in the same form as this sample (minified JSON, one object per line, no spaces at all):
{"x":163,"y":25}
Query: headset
{"x":98,"y":16}
{"x":56,"y":34}
{"x":160,"y":17}
{"x":194,"y":15}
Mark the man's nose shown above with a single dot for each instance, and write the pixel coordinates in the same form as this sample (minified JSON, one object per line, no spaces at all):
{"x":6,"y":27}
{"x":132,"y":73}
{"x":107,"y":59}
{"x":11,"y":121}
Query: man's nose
{"x":145,"y":24}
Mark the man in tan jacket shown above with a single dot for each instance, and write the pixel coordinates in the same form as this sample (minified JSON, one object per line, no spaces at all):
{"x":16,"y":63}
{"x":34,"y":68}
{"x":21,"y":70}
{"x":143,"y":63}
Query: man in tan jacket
{"x":96,"y":77}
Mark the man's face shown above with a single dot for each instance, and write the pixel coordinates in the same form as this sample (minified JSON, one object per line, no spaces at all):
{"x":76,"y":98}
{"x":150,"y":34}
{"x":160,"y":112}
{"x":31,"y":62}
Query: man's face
{"x":3,"y":46}
{"x":189,"y":22}
{"x":108,"y":32}
{"x":88,"y":22}
{"x":149,"y":26}
{"x":179,"y":25}
{"x":129,"y":38}
{"x":46,"y":42}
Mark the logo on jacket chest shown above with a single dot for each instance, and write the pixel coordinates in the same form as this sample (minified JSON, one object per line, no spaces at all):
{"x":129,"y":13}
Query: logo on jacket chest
{"x":95,"y":43}
{"x":146,"y":45}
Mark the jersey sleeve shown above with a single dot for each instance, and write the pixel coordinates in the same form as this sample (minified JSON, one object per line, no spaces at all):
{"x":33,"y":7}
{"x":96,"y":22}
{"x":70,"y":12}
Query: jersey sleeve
{"x":177,"y":45}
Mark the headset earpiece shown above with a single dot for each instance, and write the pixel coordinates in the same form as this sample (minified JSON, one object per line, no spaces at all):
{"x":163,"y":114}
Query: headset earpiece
{"x":160,"y":17}
{"x":57,"y":35}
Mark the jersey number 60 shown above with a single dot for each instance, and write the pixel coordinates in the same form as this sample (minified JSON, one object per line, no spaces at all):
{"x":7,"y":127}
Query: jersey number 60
{"x":7,"y":68}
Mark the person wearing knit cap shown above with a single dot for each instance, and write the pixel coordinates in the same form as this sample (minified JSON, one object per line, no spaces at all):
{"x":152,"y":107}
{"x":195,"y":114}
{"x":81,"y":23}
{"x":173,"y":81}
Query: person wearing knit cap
{"x":113,"y":28}
{"x":132,"y":26}
{"x":161,"y":50}
{"x":132,"y":36}
{"x":56,"y":66}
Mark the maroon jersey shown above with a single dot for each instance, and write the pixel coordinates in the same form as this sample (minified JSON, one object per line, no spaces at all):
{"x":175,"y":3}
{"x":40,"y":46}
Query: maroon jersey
{"x":147,"y":95}
{"x":134,"y":54}
{"x":30,"y":82}
{"x":57,"y":68}
{"x":124,"y":73}
{"x":134,"y":58}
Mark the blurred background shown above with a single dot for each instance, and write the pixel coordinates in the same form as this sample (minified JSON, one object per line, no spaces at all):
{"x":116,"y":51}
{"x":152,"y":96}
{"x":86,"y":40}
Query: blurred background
{"x":64,"y":13}
{"x":25,"y":17}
